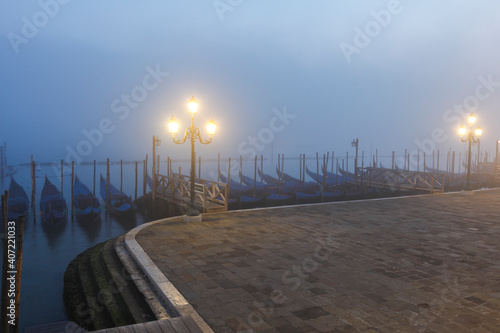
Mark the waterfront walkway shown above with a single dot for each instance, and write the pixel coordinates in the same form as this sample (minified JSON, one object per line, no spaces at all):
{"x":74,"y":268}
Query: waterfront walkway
{"x":416,"y":264}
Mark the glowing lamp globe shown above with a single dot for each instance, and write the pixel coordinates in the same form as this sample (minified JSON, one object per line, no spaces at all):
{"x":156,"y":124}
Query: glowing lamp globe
{"x":211,"y":126}
{"x":193,"y":106}
{"x":479,"y":131}
{"x":173,"y":126}
{"x":462,"y":130}
{"x":472,"y":118}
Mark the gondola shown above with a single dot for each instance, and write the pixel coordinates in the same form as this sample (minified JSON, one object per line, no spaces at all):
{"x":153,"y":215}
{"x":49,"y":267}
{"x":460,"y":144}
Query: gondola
{"x":86,"y":205}
{"x":319,"y":178}
{"x":149,"y":182}
{"x":120,"y":203}
{"x":53,"y":208}
{"x":18,"y":201}
{"x":299,"y":186}
{"x":258,"y":185}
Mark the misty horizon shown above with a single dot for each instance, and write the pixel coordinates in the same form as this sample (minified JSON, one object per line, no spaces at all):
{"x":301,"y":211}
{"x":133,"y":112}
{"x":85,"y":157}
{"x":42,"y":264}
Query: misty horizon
{"x":84,"y":82}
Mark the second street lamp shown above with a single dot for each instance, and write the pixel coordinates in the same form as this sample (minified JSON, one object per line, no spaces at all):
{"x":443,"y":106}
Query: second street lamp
{"x":193,"y":133}
{"x":471,"y":136}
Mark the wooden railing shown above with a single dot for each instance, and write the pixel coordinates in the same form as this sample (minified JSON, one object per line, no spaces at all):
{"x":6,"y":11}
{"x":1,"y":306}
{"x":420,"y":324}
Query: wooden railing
{"x":396,"y":179}
{"x":209,"y":195}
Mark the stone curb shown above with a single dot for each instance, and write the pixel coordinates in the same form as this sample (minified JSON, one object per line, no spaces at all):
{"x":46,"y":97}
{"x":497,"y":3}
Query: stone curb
{"x":162,"y":285}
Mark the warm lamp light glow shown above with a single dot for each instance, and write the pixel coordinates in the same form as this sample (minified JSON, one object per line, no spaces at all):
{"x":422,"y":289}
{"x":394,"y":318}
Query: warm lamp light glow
{"x":462,"y":130}
{"x":173,"y":126}
{"x":479,"y":131}
{"x":471,"y":118}
{"x":211,"y":126}
{"x":193,"y":106}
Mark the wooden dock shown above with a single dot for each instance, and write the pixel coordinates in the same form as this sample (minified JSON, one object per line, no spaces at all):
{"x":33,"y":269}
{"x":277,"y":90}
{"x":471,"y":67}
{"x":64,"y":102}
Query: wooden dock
{"x":210,"y":196}
{"x":398,"y":179}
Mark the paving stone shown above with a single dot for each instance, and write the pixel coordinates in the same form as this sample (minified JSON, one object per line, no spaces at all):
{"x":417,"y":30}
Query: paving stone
{"x":419,"y":264}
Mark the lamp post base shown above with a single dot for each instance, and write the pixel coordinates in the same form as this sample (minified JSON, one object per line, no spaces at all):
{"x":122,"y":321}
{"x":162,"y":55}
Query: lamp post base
{"x":196,"y":218}
{"x":192,"y":214}
{"x":467,"y":192}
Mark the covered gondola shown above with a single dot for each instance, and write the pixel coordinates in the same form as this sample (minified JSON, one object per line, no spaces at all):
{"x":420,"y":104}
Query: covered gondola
{"x":86,"y":204}
{"x":53,"y":208}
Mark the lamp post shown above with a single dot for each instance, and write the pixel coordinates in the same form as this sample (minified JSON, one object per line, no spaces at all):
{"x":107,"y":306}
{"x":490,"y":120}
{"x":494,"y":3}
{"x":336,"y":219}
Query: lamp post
{"x":193,"y":133}
{"x":471,"y":136}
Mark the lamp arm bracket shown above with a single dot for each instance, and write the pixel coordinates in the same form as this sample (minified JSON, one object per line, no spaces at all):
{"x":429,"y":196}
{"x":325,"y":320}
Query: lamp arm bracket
{"x":186,"y":134}
{"x":198,"y":135}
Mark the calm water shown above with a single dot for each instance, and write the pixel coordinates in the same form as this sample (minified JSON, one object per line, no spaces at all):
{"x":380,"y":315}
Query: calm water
{"x":47,"y":251}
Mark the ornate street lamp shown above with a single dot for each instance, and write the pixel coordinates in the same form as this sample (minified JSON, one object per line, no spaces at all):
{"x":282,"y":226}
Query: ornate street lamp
{"x":472,"y":136}
{"x":193,"y":133}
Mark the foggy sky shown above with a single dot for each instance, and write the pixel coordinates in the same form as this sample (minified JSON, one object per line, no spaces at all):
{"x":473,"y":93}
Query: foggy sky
{"x":283,"y":76}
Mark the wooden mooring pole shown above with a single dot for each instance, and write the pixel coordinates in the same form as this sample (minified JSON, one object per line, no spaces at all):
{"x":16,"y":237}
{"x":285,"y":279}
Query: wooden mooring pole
{"x":145,"y":174}
{"x":323,"y":183}
{"x":406,"y":152}
{"x":337,"y":172}
{"x":218,"y":167}
{"x":343,"y":170}
{"x":333,"y":157}
{"x":108,"y":188}
{"x":121,"y":175}
{"x":418,"y":161}
{"x":241,"y":168}
{"x":300,"y":168}
{"x":425,"y":166}
{"x":459,"y":162}
{"x":255,"y":178}
{"x":362,"y":166}
{"x":33,"y":188}
{"x":62,"y":177}
{"x":261,"y":167}
{"x":346,"y":161}
{"x":136,"y":168}
{"x":317,"y":168}
{"x":2,"y":175}
{"x":453,"y":164}
{"x":169,"y":167}
{"x":72,"y":185}
{"x":93,"y":189}
{"x":437,"y":165}
{"x":304,"y":170}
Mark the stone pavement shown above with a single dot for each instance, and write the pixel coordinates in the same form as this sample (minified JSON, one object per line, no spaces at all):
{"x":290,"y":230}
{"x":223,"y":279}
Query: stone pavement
{"x":417,"y":264}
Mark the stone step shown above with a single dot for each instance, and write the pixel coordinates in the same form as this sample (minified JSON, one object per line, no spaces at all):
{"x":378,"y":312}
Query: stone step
{"x":122,"y":285}
{"x":157,"y":305}
{"x":59,"y":327}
